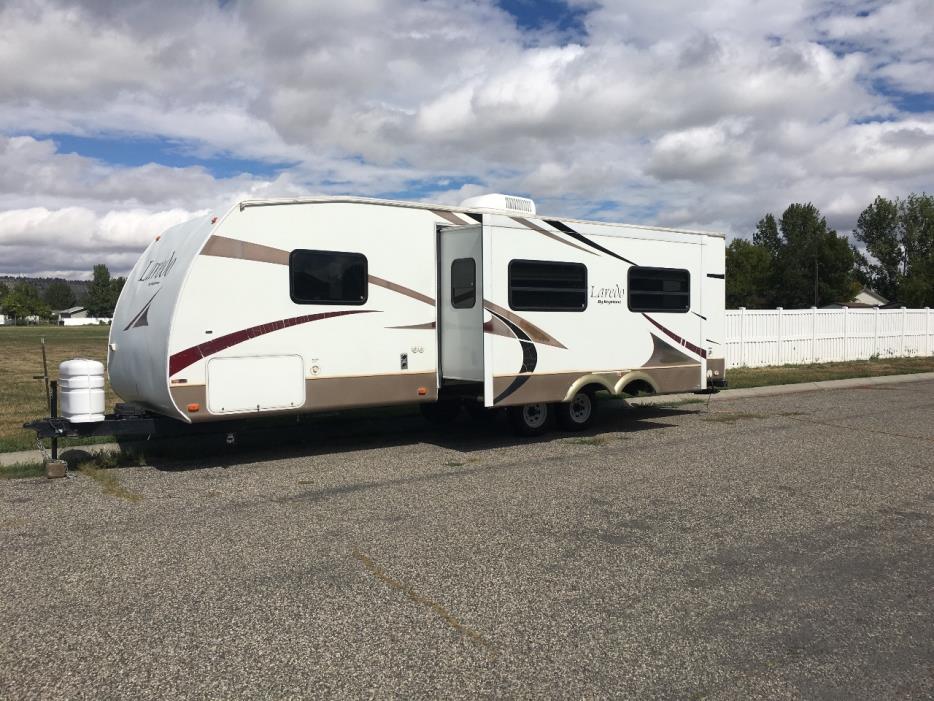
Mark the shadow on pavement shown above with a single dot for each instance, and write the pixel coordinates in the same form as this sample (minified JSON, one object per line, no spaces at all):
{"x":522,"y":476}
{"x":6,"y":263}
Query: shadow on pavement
{"x":369,"y":430}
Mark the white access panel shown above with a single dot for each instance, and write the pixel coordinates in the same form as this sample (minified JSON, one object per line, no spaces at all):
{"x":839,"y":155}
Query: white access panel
{"x":261,"y":383}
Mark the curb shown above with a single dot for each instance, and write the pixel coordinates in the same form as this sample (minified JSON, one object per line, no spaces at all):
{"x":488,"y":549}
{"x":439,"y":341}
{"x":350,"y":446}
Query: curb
{"x":728,"y":394}
{"x":33,"y":456}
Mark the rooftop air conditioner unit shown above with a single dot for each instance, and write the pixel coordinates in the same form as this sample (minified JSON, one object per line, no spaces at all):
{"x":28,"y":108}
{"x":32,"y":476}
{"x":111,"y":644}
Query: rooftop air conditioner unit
{"x":509,"y":203}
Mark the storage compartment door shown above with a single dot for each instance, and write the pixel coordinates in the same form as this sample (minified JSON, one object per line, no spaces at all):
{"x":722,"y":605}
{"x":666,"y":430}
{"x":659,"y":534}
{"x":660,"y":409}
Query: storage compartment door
{"x":261,"y":383}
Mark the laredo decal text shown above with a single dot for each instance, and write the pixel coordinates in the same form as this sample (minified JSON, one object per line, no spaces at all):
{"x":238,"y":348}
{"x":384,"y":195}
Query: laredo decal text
{"x":157,"y":269}
{"x":607,"y":295}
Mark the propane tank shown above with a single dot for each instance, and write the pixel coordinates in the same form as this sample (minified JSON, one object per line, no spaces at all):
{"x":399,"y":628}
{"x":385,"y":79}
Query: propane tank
{"x":81,"y":390}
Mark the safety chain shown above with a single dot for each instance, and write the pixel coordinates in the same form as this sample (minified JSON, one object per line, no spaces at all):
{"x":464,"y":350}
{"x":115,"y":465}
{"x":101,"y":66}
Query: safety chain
{"x":45,"y":455}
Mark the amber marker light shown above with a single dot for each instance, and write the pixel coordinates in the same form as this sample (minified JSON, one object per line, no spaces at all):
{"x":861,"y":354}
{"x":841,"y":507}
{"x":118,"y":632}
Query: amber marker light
{"x":422,"y":391}
{"x":194,"y":407}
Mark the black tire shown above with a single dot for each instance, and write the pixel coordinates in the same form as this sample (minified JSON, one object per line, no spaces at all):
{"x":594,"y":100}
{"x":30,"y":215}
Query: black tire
{"x":531,"y":419}
{"x":440,"y":413}
{"x":579,"y":413}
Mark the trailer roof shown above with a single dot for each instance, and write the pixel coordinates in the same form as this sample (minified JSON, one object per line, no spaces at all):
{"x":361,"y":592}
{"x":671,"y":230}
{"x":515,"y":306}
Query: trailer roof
{"x":449,"y":208}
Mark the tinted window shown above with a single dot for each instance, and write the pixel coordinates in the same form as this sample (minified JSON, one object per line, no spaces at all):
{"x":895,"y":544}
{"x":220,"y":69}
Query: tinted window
{"x":659,"y":290}
{"x":547,"y":286}
{"x":327,"y":277}
{"x":463,"y":283}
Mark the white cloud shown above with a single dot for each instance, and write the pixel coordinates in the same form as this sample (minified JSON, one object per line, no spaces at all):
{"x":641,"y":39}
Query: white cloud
{"x":681,"y":113}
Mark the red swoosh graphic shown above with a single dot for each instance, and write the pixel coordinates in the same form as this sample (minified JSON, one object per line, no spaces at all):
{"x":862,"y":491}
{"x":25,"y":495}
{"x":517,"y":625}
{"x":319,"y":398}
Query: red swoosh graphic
{"x":181,"y":360}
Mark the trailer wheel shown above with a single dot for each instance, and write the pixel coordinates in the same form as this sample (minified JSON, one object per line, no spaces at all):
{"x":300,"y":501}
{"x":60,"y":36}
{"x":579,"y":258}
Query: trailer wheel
{"x":530,"y":419}
{"x":440,"y":413}
{"x":579,"y":413}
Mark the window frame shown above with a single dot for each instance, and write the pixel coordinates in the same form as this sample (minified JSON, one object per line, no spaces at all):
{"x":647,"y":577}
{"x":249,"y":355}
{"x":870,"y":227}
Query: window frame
{"x":473,"y":299}
{"x":352,"y":303}
{"x":639,"y":310}
{"x":568,"y":310}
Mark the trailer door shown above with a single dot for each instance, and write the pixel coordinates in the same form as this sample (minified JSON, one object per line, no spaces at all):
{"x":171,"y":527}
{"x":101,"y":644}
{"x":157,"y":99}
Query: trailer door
{"x":461,"y":297}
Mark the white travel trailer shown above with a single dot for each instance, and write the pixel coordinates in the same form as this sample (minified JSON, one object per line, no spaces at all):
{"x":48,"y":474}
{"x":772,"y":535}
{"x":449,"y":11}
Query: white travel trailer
{"x":324,"y":303}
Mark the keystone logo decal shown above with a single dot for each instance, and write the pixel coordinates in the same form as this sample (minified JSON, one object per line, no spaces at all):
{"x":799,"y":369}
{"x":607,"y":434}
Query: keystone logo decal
{"x":155,"y":270}
{"x":607,"y":295}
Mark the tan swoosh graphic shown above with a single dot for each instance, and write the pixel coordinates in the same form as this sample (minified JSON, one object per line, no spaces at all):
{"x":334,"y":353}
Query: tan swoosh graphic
{"x":450,"y":217}
{"x":224,"y":247}
{"x":549,"y":234}
{"x":532,"y":331}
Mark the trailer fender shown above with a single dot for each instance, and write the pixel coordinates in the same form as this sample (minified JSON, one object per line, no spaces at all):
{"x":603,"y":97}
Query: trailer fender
{"x":582,"y":382}
{"x":633,"y":377}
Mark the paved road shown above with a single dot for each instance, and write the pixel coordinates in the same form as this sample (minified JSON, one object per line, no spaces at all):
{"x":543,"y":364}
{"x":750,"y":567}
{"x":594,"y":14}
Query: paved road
{"x":772,"y":547}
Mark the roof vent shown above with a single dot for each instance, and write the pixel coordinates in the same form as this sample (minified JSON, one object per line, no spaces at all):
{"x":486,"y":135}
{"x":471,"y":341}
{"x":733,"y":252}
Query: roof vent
{"x":503,"y":202}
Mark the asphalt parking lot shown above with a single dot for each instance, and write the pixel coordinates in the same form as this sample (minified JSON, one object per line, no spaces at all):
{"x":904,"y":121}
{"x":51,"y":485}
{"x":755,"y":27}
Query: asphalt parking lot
{"x":776,"y":547}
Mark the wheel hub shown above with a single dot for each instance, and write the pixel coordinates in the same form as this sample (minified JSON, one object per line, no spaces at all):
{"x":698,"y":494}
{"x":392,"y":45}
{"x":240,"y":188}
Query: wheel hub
{"x":581,"y":408}
{"x":534,"y":414}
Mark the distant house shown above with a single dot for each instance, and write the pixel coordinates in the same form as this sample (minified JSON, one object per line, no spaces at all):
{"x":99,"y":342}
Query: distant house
{"x":72,"y":313}
{"x":3,"y":320}
{"x":78,"y":316}
{"x":865,"y":299}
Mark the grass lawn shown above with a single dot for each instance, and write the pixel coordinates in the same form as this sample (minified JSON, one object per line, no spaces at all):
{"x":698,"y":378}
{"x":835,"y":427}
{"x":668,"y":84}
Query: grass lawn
{"x":791,"y":374}
{"x":23,"y":398}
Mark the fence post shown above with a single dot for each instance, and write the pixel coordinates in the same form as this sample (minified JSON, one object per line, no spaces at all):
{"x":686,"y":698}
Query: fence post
{"x":875,"y":333}
{"x":927,"y":331}
{"x":813,"y":334}
{"x":742,"y":337}
{"x":901,"y":345}
{"x":779,"y":335}
{"x":846,"y":334}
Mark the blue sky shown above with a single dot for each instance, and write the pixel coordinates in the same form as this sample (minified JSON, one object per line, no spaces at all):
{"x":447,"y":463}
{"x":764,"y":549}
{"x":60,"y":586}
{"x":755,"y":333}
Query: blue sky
{"x":130,"y":150}
{"x":121,"y":119}
{"x":135,"y":150}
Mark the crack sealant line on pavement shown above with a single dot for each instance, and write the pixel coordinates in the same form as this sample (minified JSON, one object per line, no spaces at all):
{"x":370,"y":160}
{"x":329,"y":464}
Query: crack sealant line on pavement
{"x":861,"y":428}
{"x":417,"y":598}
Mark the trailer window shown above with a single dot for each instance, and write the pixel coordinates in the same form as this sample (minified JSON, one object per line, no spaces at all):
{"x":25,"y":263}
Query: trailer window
{"x":464,"y":283}
{"x":659,"y":290}
{"x":327,"y":277}
{"x":547,"y":286}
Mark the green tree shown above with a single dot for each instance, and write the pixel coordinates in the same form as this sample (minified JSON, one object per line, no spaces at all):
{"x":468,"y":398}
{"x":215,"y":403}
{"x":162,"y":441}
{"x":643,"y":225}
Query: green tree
{"x":59,"y":295}
{"x":4,"y":290}
{"x":748,"y":275}
{"x":116,"y":287}
{"x":877,"y":227}
{"x":23,"y":301}
{"x":100,"y":299}
{"x":899,"y":236}
{"x":810,"y":263}
{"x":767,"y":235}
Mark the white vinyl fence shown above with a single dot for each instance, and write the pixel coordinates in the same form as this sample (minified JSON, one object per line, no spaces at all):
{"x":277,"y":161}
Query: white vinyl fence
{"x":758,"y":337}
{"x":86,"y":321}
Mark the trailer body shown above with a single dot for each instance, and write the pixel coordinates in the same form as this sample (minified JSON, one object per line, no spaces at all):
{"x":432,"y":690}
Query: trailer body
{"x":314,"y":304}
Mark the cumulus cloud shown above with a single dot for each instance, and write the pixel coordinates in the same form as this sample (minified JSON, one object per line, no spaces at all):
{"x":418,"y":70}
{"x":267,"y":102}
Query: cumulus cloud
{"x":677,"y":113}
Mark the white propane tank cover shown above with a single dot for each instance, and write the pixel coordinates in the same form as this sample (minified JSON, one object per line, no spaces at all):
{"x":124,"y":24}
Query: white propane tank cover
{"x":81,"y":390}
{"x":509,"y":203}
